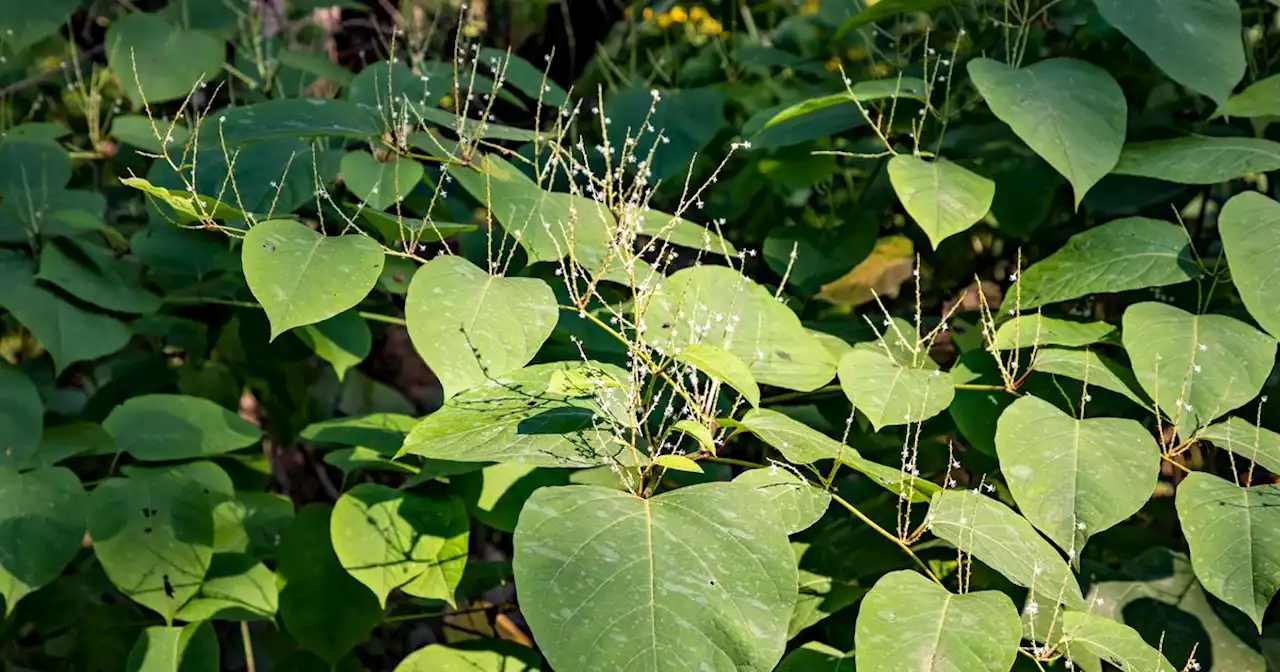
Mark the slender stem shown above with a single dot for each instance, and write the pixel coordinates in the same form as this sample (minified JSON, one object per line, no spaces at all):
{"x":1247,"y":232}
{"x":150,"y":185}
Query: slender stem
{"x":379,"y":317}
{"x":884,"y":533}
{"x":1175,"y":463}
{"x":376,"y":317}
{"x":791,"y":396}
{"x":250,"y":665}
{"x":975,"y":386}
{"x":730,"y":460}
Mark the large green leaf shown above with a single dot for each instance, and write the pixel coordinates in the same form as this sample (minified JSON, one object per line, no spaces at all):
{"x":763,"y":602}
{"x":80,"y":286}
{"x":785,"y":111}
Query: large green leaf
{"x":302,"y":277}
{"x":237,"y":587}
{"x":1157,"y":595}
{"x":160,"y":427}
{"x":523,"y":418}
{"x":1072,"y":113}
{"x":386,"y":538}
{"x":1090,"y":368}
{"x":907,"y":622}
{"x":1074,"y":478}
{"x":1005,"y":542}
{"x":1234,"y":536}
{"x":491,"y":655}
{"x":42,"y":524}
{"x":70,"y":333}
{"x":1025,"y":331}
{"x":724,"y":366}
{"x":189,"y":648}
{"x":91,"y":274}
{"x":380,"y":183}
{"x":699,"y":576}
{"x":798,"y":503}
{"x":801,"y":444}
{"x":1114,"y":642}
{"x":717,"y":305}
{"x":1250,"y":227}
{"x":862,"y":92}
{"x":23,"y":23}
{"x":1246,"y":440}
{"x":472,"y":327}
{"x":156,"y":61}
{"x":1196,"y":42}
{"x":1196,"y":367}
{"x":290,"y":118}
{"x":1118,"y":256}
{"x":943,"y":197}
{"x":384,"y":432}
{"x":21,"y":417}
{"x":322,"y":607}
{"x":1199,"y":159}
{"x":890,"y":392}
{"x":153,"y":535}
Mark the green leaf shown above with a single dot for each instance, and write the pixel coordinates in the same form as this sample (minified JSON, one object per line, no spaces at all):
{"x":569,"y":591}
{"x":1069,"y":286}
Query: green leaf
{"x":862,"y":92}
{"x":92,"y":274}
{"x":491,"y":655}
{"x":1072,"y":113}
{"x":1251,"y":240}
{"x":1115,"y":642}
{"x":798,"y":503}
{"x":395,"y":228}
{"x":380,"y":183}
{"x":1157,"y":594}
{"x":301,"y":276}
{"x":884,"y":9}
{"x":1005,"y":542}
{"x":42,"y":515}
{"x":189,"y":648}
{"x":1025,"y":331}
{"x":251,"y":523}
{"x":386,"y":538}
{"x":1259,"y":99}
{"x":472,"y":327}
{"x":722,"y":365}
{"x":476,"y":128}
{"x":1074,"y":478}
{"x":322,"y":607}
{"x":21,"y":417}
{"x":1232,"y":532}
{"x":678,"y":463}
{"x":1258,"y":445}
{"x":695,"y":575}
{"x":188,"y":207}
{"x":524,"y":76}
{"x":136,"y":130}
{"x":1199,"y":159}
{"x":384,"y":432}
{"x":63,"y":441}
{"x":236,"y":588}
{"x":24,"y":24}
{"x":696,"y":431}
{"x":70,"y":333}
{"x":160,"y":427}
{"x":943,"y":197}
{"x":907,"y":622}
{"x":290,"y":118}
{"x":1196,"y":367}
{"x":802,"y":444}
{"x":519,"y":419}
{"x":817,"y":657}
{"x":891,"y":393}
{"x":1118,"y":256}
{"x":343,"y":340}
{"x":1196,"y":42}
{"x":1089,"y":367}
{"x":156,"y":61}
{"x":153,"y":535}
{"x":752,"y":325}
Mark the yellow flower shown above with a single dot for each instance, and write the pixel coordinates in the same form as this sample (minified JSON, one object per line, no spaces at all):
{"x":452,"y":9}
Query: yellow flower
{"x":833,"y":64}
{"x":879,"y":69}
{"x":710,"y":26}
{"x":809,"y":7}
{"x":648,"y":13}
{"x":678,"y":14}
{"x":698,"y":14}
{"x":856,"y":53}
{"x":664,"y":20}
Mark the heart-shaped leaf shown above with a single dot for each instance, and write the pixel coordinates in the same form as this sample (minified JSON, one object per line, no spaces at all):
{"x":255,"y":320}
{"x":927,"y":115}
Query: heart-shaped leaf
{"x":380,"y":183}
{"x":472,"y":327}
{"x":1196,"y":367}
{"x":1250,"y":229}
{"x":1234,"y":535}
{"x":892,"y":393}
{"x":386,"y":538}
{"x":42,"y":514}
{"x":1074,"y":478}
{"x":941,"y":196}
{"x":1072,"y":113}
{"x":161,"y":427}
{"x":302,"y":277}
{"x":723,"y":366}
{"x":156,"y":61}
{"x":798,"y":503}
{"x":701,"y":573}
{"x":907,"y":622}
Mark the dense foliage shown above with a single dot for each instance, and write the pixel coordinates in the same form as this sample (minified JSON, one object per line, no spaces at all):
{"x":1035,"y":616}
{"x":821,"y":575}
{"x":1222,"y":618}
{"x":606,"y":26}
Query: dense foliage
{"x":746,"y":335}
